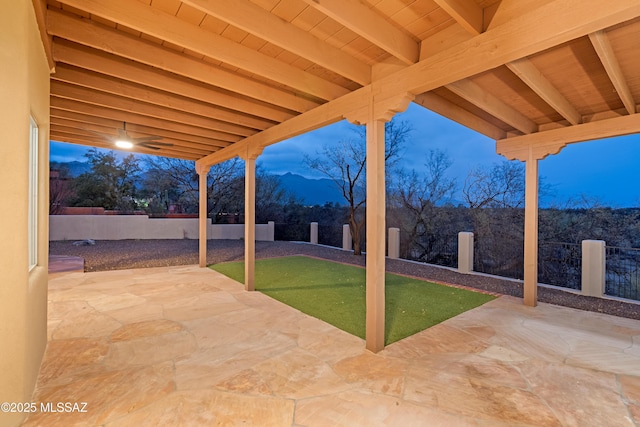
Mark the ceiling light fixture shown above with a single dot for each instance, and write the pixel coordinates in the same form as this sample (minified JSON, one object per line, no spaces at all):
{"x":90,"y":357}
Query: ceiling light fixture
{"x":121,"y":143}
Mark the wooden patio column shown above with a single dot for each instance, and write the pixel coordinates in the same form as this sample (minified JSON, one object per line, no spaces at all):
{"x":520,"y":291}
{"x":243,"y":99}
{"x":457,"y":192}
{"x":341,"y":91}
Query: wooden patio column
{"x":531,"y":231}
{"x":530,"y":149}
{"x":202,"y":214}
{"x":375,"y":115}
{"x":250,"y":219}
{"x":376,"y":215}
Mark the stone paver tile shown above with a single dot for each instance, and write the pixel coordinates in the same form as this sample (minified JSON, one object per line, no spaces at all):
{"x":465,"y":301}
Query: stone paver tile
{"x":212,"y":408}
{"x":298,"y":374}
{"x":108,"y":395}
{"x":630,"y":386}
{"x":375,"y":373}
{"x":477,"y":388}
{"x":578,"y":397}
{"x":105,"y":302}
{"x":150,"y":349}
{"x":359,"y":408}
{"x":594,"y":355}
{"x":143,"y":329}
{"x":64,"y":358}
{"x":442,"y":338}
{"x":199,"y":306}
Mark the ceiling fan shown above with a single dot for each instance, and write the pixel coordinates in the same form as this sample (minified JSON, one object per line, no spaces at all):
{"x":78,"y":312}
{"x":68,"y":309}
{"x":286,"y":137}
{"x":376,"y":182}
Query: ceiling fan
{"x":123,"y":140}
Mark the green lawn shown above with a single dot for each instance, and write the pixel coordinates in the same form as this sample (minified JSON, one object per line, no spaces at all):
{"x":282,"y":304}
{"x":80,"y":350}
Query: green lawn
{"x":335,"y":293}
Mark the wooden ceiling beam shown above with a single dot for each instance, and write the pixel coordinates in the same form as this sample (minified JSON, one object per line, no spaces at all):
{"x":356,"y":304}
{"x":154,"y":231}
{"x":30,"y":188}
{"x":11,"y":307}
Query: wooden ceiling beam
{"x":532,"y":77}
{"x":466,"y":13}
{"x":144,"y":55}
{"x":80,"y":140}
{"x":154,"y":22}
{"x":70,"y":91}
{"x":77,"y":106}
{"x":115,"y":86}
{"x":454,"y":112}
{"x":255,"y":20}
{"x":177,"y":146}
{"x":125,"y":69}
{"x":183,"y":139}
{"x":601,"y":44}
{"x":474,"y":94}
{"x":484,"y":52}
{"x":529,"y":32}
{"x":369,"y":25}
{"x":552,"y":141}
{"x":140,"y":51}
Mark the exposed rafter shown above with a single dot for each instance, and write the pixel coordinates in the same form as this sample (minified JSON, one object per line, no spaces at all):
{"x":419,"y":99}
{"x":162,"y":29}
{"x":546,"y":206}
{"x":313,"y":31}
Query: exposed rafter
{"x":603,"y":48}
{"x":70,"y":91}
{"x":255,"y":20}
{"x":156,"y":23}
{"x":482,"y":53}
{"x":479,"y":97}
{"x":365,"y":22}
{"x":466,"y":13}
{"x":169,"y":130}
{"x":533,"y":78}
{"x":65,"y":73}
{"x":125,"y":69}
{"x":552,"y":141}
{"x":88,"y":108}
{"x":126,"y":46}
{"x":446,"y":108}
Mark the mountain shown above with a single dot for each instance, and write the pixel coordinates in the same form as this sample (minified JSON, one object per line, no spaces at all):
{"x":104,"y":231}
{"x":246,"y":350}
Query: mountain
{"x":75,"y":168}
{"x":312,"y":191}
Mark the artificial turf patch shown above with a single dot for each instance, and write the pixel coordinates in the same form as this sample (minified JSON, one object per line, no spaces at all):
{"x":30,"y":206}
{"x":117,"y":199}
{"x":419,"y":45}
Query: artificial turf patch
{"x":335,"y":293}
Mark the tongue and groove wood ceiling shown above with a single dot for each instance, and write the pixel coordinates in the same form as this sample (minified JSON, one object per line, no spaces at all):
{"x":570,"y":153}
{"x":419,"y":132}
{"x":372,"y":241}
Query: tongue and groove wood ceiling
{"x":210,"y":75}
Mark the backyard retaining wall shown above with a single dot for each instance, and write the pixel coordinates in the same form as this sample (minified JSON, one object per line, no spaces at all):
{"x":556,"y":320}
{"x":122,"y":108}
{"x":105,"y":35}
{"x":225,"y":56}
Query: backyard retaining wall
{"x":121,"y":227}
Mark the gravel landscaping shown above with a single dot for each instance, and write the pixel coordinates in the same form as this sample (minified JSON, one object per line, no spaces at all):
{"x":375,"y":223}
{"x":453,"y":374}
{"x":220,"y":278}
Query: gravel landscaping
{"x":125,"y":254}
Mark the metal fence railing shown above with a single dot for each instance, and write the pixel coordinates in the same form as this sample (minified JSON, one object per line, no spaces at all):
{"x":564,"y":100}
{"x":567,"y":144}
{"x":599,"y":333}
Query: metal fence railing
{"x":330,"y":235}
{"x":292,"y":232}
{"x":622,"y":274}
{"x":560,"y":264}
{"x":504,"y":258}
{"x":435,"y":249}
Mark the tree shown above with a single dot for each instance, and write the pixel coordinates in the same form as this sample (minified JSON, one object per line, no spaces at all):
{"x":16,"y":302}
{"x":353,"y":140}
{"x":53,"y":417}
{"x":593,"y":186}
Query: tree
{"x":417,"y":201}
{"x":345,"y":164}
{"x":59,"y":187}
{"x":495,"y":196}
{"x":109,"y":184}
{"x":175,"y":181}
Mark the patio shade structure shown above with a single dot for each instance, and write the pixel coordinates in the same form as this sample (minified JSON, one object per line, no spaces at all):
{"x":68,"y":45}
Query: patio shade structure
{"x":218,"y":79}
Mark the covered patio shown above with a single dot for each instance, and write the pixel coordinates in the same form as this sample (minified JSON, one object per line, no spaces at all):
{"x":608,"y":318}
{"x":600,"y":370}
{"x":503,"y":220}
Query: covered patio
{"x":188,"y":346}
{"x":199,"y":80}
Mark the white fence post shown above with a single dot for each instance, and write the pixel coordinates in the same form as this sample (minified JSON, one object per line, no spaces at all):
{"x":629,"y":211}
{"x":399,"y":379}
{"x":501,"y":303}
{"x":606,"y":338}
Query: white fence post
{"x":347,"y":244}
{"x":272,"y":231}
{"x":465,"y":252}
{"x":394,"y":243}
{"x":314,"y":233}
{"x":593,"y":267}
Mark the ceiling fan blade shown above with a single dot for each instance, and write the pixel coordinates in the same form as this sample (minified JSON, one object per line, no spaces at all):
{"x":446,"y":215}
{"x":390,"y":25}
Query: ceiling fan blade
{"x":102,"y":135}
{"x":148,"y":145}
{"x":145,"y":139}
{"x":122,"y":135}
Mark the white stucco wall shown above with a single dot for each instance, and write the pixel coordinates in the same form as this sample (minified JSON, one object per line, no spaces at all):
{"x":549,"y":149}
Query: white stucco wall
{"x":24,"y":92}
{"x":121,"y":227}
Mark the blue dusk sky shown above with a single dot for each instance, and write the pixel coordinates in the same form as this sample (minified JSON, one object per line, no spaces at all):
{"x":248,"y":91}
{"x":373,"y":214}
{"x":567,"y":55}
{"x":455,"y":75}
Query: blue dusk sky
{"x":605,"y":170}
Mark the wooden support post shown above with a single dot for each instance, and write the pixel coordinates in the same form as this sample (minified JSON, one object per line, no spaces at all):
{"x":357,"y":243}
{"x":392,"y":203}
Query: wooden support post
{"x":375,"y":236}
{"x":531,"y":231}
{"x":249,"y":223}
{"x":202,"y":215}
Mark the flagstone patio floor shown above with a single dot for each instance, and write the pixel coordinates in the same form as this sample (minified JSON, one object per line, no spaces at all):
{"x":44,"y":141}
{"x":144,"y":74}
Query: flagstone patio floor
{"x":185,"y":346}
